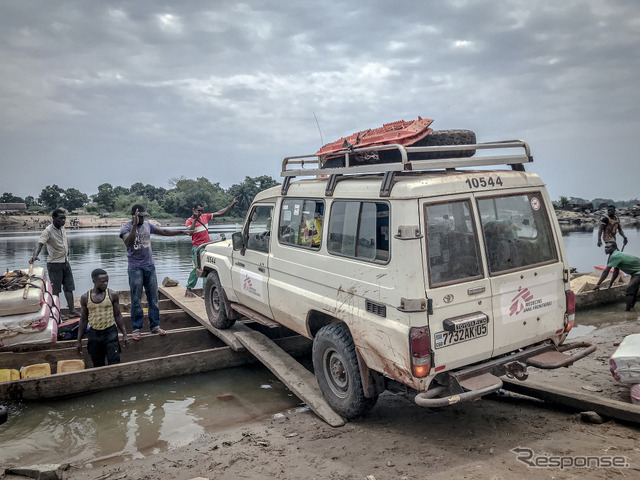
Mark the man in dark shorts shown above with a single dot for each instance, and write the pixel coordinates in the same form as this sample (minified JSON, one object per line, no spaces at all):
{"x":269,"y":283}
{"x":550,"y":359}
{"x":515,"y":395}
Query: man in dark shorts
{"x":58,"y":268}
{"x":101,"y":310}
{"x":629,"y":264}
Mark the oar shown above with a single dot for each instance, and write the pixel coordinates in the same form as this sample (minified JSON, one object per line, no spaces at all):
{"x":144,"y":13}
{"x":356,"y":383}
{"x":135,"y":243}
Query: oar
{"x":26,"y":289}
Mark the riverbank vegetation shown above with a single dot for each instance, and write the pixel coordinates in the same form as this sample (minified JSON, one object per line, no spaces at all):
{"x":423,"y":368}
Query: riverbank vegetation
{"x":162,"y":203}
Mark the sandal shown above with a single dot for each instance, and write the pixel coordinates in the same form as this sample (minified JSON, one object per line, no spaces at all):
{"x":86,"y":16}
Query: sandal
{"x":189,"y":294}
{"x":159,"y":331}
{"x":136,"y":335}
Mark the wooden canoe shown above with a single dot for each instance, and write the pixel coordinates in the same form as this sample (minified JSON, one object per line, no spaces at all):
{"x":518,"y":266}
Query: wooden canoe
{"x":187,"y":348}
{"x":582,"y":285}
{"x":597,"y":298}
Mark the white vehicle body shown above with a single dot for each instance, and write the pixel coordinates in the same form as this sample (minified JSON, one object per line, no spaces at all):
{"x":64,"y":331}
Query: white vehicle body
{"x":443,"y":280}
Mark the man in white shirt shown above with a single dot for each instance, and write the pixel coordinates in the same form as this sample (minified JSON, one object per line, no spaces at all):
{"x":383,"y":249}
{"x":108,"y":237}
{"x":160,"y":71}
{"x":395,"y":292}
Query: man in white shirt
{"x":58,"y":268}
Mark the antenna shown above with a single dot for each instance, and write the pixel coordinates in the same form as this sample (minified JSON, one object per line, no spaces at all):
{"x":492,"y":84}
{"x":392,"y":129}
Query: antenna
{"x":317,"y":123}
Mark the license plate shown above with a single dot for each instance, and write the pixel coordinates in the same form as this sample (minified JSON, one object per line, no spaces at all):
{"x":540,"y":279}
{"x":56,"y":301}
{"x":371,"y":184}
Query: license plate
{"x":444,"y":339}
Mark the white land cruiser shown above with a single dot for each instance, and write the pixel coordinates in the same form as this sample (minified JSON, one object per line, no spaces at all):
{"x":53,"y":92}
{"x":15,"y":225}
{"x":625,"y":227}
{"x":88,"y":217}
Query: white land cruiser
{"x":416,"y":271}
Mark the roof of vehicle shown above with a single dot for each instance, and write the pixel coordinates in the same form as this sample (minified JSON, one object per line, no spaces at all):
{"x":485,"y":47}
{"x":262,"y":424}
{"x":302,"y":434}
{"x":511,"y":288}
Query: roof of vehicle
{"x":409,"y":184}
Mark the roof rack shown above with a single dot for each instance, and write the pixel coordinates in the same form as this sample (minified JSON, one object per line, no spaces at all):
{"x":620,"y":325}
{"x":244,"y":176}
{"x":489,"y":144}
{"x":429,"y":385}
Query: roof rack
{"x":516,"y":161}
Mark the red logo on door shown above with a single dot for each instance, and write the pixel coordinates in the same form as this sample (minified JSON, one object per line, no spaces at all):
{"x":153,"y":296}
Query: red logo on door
{"x":519,"y":301}
{"x":246,"y":285}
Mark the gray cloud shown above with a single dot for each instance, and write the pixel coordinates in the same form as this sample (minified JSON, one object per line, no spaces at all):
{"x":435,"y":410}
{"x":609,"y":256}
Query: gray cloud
{"x":128,"y":91}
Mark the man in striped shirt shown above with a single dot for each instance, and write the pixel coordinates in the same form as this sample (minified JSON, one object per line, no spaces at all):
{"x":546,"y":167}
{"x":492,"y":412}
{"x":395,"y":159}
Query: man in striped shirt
{"x":101,"y":310}
{"x":199,"y":224}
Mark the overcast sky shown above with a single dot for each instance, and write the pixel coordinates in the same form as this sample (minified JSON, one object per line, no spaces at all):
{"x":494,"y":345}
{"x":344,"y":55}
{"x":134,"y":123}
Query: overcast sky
{"x":145,"y":91}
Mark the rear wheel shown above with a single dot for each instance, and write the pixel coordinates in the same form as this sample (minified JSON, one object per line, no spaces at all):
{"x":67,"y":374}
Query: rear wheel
{"x":216,"y":303}
{"x":336,"y":368}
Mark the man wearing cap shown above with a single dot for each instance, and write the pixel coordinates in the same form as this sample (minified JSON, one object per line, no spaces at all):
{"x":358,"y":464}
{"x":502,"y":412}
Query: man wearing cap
{"x":629,"y":264}
{"x":136,"y":235}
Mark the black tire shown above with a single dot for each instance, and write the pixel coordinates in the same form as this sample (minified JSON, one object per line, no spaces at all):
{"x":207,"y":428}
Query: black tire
{"x":3,"y":414}
{"x":336,"y":368}
{"x":445,"y":137}
{"x":216,"y":303}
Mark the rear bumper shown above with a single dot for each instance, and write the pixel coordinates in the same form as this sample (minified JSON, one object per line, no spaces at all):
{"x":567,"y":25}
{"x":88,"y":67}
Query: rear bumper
{"x":472,"y":383}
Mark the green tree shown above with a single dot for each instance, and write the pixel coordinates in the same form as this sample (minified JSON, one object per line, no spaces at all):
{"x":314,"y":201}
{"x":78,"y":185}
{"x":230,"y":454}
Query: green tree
{"x":120,"y":191}
{"x":246,"y":191}
{"x":564,"y":201}
{"x":187,"y":192}
{"x":74,"y":198}
{"x":10,"y":198}
{"x":148,"y":191}
{"x":29,"y":200}
{"x":105,"y":198}
{"x":51,"y":197}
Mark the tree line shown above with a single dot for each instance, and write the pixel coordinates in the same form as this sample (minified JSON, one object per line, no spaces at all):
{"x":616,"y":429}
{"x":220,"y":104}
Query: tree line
{"x":595,"y":204}
{"x":159,"y":202}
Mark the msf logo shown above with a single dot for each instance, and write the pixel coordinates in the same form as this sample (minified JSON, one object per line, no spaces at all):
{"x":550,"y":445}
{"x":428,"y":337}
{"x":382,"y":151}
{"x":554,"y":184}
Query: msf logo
{"x":519,"y":301}
{"x":247,"y":285}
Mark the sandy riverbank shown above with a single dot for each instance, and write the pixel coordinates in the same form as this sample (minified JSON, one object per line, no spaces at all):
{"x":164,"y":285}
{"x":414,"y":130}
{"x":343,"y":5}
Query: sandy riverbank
{"x":38,"y":222}
{"x":400,"y":440}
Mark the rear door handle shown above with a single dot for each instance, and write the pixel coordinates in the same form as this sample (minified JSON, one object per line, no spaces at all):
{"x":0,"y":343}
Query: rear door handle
{"x":476,"y":290}
{"x":261,"y":269}
{"x":240,"y":264}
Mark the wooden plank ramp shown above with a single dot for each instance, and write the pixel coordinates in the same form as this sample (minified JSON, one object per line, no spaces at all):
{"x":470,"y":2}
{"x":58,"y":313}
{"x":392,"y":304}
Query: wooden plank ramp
{"x":581,"y":401}
{"x":194,"y":306}
{"x":297,"y":378}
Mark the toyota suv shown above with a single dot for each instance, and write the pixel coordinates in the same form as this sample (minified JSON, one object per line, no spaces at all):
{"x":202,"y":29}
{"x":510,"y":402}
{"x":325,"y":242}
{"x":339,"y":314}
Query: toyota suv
{"x":440,"y":270}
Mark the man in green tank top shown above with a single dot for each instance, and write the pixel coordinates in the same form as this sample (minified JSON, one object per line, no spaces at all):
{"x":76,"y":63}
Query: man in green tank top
{"x":100,"y":309}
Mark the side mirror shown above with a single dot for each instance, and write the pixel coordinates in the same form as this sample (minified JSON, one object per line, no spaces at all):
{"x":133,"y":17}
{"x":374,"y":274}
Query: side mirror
{"x":237,"y":239}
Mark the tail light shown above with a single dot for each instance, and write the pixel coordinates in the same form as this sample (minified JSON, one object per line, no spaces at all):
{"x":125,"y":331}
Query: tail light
{"x":420,"y":341}
{"x":571,"y":311}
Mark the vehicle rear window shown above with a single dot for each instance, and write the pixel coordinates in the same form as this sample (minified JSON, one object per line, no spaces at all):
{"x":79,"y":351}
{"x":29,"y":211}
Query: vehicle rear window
{"x":359,"y":230}
{"x":452,"y":243}
{"x":517,"y":232}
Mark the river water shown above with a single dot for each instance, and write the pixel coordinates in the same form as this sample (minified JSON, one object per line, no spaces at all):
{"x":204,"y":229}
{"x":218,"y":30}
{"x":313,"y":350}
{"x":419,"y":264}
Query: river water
{"x":138,"y":420}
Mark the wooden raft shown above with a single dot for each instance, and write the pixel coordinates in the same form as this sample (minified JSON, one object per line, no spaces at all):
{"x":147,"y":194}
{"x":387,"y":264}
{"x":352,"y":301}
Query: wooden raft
{"x":239,"y":337}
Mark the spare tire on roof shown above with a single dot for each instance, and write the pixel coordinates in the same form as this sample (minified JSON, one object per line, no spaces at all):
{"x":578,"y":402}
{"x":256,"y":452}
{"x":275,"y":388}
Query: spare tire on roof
{"x":434,"y":139}
{"x":445,"y":137}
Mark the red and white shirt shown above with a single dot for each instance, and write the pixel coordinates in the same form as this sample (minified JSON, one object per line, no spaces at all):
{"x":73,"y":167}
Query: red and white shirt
{"x":201,"y":232}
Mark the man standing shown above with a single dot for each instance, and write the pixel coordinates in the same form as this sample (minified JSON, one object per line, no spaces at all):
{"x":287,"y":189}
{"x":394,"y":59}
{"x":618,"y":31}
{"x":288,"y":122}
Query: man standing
{"x":198,"y":223}
{"x":629,"y":264}
{"x":136,"y":235}
{"x":58,"y":268}
{"x":101,"y":310}
{"x":609,"y":226}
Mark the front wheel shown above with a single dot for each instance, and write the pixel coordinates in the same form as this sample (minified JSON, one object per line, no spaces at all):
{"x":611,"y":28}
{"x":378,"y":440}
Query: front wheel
{"x":336,"y":368}
{"x":216,"y":303}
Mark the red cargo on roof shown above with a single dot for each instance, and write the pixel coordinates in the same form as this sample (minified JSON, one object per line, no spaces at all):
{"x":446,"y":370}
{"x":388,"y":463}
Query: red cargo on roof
{"x":400,"y":132}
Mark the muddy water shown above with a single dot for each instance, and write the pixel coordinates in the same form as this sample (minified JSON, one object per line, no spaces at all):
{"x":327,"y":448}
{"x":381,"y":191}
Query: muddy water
{"x":134,"y":421}
{"x":590,"y":320}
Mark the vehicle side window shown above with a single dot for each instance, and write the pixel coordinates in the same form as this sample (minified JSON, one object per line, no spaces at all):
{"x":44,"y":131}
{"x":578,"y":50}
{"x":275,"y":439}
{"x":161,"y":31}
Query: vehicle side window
{"x":517,"y":231}
{"x":259,"y":228}
{"x":452,"y":243}
{"x":301,"y":222}
{"x":360,"y":230}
